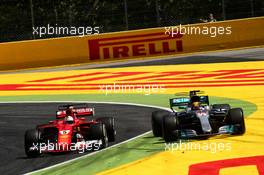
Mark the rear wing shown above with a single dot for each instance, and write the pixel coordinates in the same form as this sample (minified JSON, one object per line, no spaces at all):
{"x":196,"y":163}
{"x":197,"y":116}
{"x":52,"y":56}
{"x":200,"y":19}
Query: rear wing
{"x":74,"y":106}
{"x":179,"y":102}
{"x":183,"y":102}
{"x":80,"y":110}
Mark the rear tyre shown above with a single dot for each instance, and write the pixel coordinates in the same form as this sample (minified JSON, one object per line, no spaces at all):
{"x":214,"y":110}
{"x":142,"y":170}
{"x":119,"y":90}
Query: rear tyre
{"x":236,"y":117}
{"x":170,"y":127}
{"x":109,"y":123}
{"x":156,"y":121}
{"x":98,"y":132}
{"x":31,"y":139}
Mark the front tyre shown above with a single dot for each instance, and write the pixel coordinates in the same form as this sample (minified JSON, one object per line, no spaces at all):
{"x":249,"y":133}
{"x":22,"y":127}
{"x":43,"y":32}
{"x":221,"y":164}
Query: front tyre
{"x":98,"y":132}
{"x":236,"y":117}
{"x":109,"y":123}
{"x":156,"y":121}
{"x":31,"y":141}
{"x":170,"y":127}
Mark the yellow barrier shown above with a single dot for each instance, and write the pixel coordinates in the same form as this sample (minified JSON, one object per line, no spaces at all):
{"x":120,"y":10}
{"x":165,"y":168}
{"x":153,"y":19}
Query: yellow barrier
{"x":131,"y":44}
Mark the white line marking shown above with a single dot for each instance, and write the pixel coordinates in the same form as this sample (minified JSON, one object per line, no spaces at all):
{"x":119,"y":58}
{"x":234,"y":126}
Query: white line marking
{"x":88,"y":155}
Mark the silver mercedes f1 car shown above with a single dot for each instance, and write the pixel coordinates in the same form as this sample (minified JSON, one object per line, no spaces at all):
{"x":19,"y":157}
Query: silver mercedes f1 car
{"x":193,"y":117}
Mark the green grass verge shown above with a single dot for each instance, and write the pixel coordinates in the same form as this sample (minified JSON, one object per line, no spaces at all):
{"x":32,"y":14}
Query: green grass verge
{"x":127,"y":152}
{"x":157,"y":99}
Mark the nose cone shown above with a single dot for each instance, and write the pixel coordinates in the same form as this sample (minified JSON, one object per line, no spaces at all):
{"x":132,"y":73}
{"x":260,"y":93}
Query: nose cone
{"x":65,"y":137}
{"x":204,"y":119}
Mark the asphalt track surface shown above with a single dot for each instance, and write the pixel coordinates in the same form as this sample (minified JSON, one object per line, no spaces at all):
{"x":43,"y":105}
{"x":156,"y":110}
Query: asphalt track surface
{"x":15,"y":119}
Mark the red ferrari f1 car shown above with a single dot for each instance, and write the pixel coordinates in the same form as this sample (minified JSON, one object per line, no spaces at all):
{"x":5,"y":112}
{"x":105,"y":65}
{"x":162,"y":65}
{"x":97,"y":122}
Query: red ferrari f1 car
{"x":71,"y":131}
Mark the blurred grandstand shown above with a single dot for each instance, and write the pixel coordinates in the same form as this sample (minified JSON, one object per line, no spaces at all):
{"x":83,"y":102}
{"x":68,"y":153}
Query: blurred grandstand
{"x":18,"y":17}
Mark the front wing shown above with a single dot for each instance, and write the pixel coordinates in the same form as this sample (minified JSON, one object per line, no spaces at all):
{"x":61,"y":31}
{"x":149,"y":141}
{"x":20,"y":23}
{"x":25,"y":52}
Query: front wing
{"x":223,"y":130}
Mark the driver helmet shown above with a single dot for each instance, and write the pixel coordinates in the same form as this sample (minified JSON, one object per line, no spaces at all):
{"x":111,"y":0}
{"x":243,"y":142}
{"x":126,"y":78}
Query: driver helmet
{"x":69,"y":119}
{"x":195,"y":102}
{"x":195,"y":105}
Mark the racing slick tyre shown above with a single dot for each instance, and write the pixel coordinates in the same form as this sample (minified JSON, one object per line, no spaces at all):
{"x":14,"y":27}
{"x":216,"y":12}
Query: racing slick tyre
{"x":98,"y":132}
{"x":217,"y":118}
{"x":110,"y":127}
{"x":221,"y":106}
{"x":32,"y":137}
{"x":236,"y":117}
{"x":156,"y":121}
{"x":169,"y":128}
